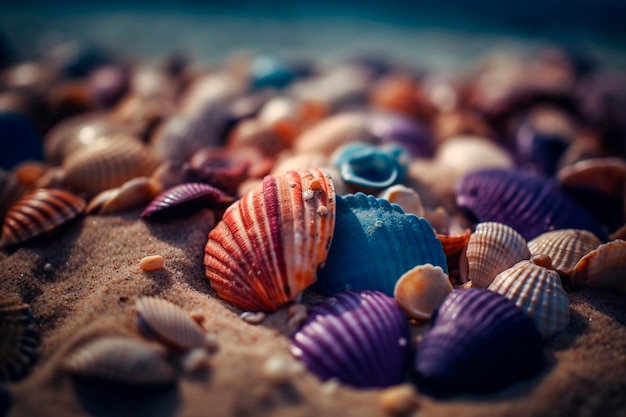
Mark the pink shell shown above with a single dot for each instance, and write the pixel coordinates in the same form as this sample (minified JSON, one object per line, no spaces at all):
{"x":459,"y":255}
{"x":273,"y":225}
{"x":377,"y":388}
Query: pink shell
{"x":269,"y":244}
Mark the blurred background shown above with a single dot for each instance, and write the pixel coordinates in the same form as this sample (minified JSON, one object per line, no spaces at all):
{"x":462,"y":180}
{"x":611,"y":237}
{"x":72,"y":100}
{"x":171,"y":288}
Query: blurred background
{"x":441,"y":33}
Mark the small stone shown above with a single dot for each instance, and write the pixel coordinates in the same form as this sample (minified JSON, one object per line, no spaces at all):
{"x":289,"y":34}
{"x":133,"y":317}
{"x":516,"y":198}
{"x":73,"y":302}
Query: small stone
{"x":280,"y":368}
{"x":322,"y":211}
{"x":152,"y":263}
{"x":253,"y":318}
{"x":398,"y":400}
{"x":48,"y":268}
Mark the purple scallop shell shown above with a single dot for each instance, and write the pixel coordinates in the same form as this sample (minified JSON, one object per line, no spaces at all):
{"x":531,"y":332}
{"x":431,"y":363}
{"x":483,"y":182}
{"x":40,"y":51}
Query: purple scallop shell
{"x":360,"y":338}
{"x":186,"y":198}
{"x":480,"y":342}
{"x":528,"y":203}
{"x":415,"y":137}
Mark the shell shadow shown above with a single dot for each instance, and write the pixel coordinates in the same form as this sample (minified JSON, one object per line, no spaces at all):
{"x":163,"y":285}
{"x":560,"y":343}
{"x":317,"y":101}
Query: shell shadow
{"x":577,"y":326}
{"x":606,"y":301}
{"x":103,"y":399}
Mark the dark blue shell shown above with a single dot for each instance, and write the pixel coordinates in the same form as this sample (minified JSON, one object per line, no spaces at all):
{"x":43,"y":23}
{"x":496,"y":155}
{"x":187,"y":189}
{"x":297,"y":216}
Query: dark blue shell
{"x":530,"y":204}
{"x":19,"y":140}
{"x":360,"y":338}
{"x":480,"y":342}
{"x":374,"y":243}
{"x":184,"y":199}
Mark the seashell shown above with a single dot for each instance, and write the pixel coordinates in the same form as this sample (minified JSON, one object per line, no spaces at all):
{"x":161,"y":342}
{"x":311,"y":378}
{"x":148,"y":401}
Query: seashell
{"x":332,"y":132}
{"x":408,"y":133}
{"x":108,"y":84}
{"x":134,"y":193}
{"x":480,"y":342}
{"x":222,"y":169}
{"x":401,"y":93}
{"x":466,"y":154}
{"x":19,"y":140}
{"x":288,"y":161}
{"x":169,"y":323}
{"x":107,"y":164}
{"x":254,"y":134}
{"x":366,"y":167}
{"x":38,"y":212}
{"x":79,"y":132}
{"x":457,"y":122}
{"x":492,"y":248}
{"x":529,"y":204}
{"x":269,"y":244}
{"x":454,"y":244}
{"x":604,"y":266}
{"x":10,"y":191}
{"x":536,"y":288}
{"x":606,"y":175}
{"x":183,"y":199}
{"x":405,"y":197}
{"x":359,"y":338}
{"x":374,"y":243}
{"x":122,"y":360}
{"x":29,"y":173}
{"x":179,"y":136}
{"x":565,"y":247}
{"x":270,"y":72}
{"x":20,"y":338}
{"x":288,"y":116}
{"x":420,"y":290}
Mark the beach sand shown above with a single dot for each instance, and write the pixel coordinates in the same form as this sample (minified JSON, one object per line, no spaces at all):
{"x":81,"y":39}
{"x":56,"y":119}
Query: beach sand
{"x":83,"y":282}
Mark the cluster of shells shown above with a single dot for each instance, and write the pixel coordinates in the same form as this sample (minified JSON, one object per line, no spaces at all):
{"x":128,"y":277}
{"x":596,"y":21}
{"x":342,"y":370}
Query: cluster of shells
{"x":472,"y":201}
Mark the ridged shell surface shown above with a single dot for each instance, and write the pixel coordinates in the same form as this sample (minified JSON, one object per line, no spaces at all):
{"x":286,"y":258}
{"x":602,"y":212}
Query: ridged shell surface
{"x":39,"y":212}
{"x":332,"y":132}
{"x":269,"y":244}
{"x":492,"y":248}
{"x":537,"y":291}
{"x":20,"y":338}
{"x":480,"y":342}
{"x":169,"y":323}
{"x":529,"y":204}
{"x":565,"y":247}
{"x":605,"y":266}
{"x":134,"y":193}
{"x":360,"y":338}
{"x":107,"y":164}
{"x":120,"y":359}
{"x":421,"y":290}
{"x":375,"y":242}
{"x":184,"y":198}
{"x":180,"y":136}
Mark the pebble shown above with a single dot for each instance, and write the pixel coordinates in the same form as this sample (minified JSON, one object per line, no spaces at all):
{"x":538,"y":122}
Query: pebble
{"x":253,"y":318}
{"x":152,"y":263}
{"x":398,"y":400}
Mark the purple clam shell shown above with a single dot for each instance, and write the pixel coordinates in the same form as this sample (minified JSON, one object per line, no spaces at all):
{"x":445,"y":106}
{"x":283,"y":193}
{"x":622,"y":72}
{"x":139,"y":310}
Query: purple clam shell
{"x":183,"y":199}
{"x":415,"y":137}
{"x":528,"y":203}
{"x":360,"y":338}
{"x":374,"y":243}
{"x":480,"y":342}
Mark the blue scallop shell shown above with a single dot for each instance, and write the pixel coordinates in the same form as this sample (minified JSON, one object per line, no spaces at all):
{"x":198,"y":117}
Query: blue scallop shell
{"x":374,"y":243}
{"x":369,"y":167}
{"x":528,"y":203}
{"x":186,"y":198}
{"x":360,"y":338}
{"x":480,"y":342}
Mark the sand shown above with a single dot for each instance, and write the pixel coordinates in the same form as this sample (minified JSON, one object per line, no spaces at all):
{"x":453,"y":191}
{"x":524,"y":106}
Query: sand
{"x":83,"y":284}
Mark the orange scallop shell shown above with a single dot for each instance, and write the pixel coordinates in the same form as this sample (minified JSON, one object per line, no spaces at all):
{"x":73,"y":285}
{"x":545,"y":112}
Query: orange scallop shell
{"x":269,"y":244}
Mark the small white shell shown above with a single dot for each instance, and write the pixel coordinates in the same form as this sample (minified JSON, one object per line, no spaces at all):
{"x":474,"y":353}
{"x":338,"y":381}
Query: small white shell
{"x":538,"y":291}
{"x":602,"y":267}
{"x":405,"y":197}
{"x":565,"y":247}
{"x":492,"y":248}
{"x":421,"y":290}
{"x":169,"y":323}
{"x":121,"y":359}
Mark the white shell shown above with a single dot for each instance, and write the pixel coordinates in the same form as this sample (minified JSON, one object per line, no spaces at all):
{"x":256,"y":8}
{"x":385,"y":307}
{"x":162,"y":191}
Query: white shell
{"x":121,"y":359}
{"x":421,"y":290}
{"x":169,"y":323}
{"x":538,"y":291}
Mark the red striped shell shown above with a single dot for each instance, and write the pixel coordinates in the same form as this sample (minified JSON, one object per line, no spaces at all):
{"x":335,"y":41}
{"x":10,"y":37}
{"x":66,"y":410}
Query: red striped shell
{"x":269,"y":244}
{"x":39,"y":212}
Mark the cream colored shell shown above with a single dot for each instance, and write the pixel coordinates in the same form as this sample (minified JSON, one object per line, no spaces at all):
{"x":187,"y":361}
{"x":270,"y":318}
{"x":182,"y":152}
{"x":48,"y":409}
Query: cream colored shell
{"x":602,"y":267}
{"x":565,"y":247}
{"x":421,"y":290}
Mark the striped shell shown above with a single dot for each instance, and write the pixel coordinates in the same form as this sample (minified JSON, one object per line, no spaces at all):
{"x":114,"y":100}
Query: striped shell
{"x":332,"y":132}
{"x":538,"y":291}
{"x":603,"y":267}
{"x":134,"y":193}
{"x":120,"y":359}
{"x":359,"y":338}
{"x":565,"y":247}
{"x":186,"y":198}
{"x":107,"y":164}
{"x":465,"y":154}
{"x":169,"y":323}
{"x":421,"y":290}
{"x":38,"y":212}
{"x":180,"y":136}
{"x":529,"y":204}
{"x":480,"y":342}
{"x":492,"y":248}
{"x":375,"y":243}
{"x":269,"y":244}
{"x":20,"y":338}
